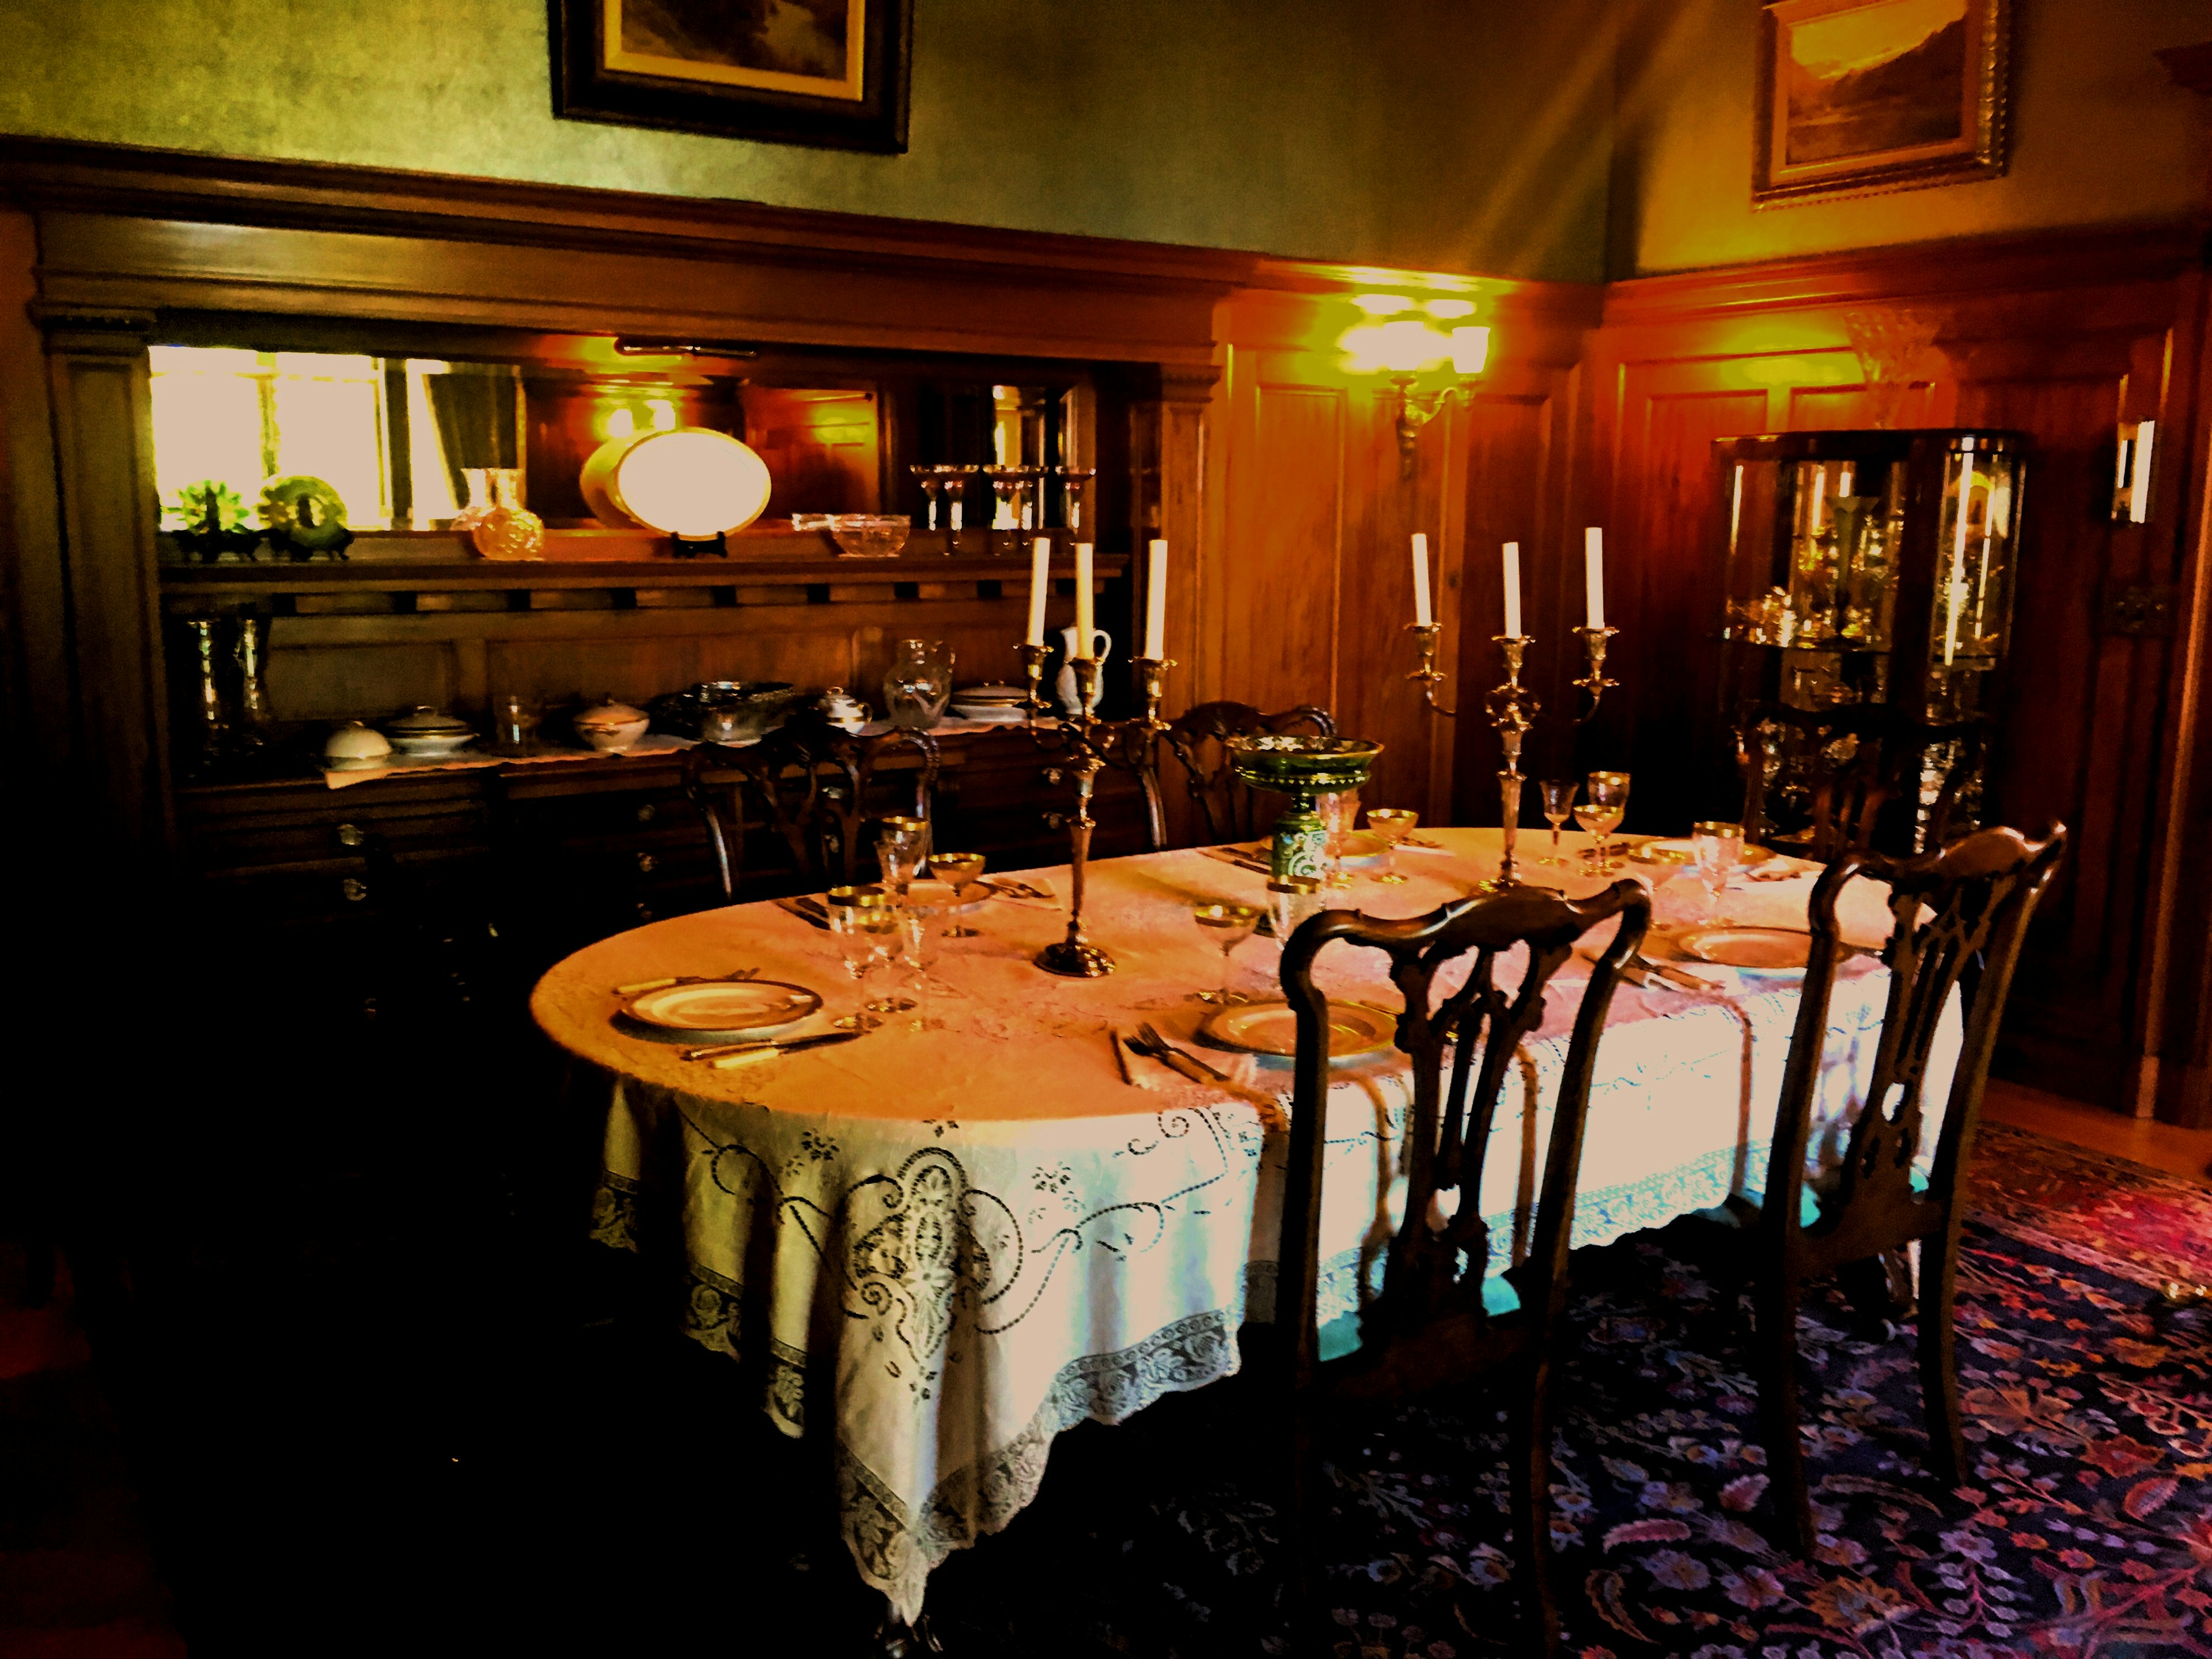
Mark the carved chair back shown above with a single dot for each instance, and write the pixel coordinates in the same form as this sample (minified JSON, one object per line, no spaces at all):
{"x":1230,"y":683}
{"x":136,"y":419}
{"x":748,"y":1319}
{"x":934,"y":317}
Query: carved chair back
{"x":808,"y":782}
{"x":1221,"y":803}
{"x":1429,"y":1327}
{"x":1850,"y":776}
{"x":1959,"y":916}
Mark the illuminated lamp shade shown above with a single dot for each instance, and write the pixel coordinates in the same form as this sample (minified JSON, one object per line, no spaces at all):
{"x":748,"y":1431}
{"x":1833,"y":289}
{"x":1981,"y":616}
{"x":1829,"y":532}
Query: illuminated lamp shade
{"x":1470,"y":350}
{"x":689,"y":483}
{"x":1404,"y":347}
{"x":1381,"y":305}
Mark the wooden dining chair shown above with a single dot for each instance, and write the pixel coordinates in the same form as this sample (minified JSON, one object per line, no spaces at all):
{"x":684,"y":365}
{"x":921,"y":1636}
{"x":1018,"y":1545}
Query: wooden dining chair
{"x":1431,"y":1327}
{"x":1850,"y":777}
{"x":1197,"y":737}
{"x":810,"y":783}
{"x":1961,"y":913}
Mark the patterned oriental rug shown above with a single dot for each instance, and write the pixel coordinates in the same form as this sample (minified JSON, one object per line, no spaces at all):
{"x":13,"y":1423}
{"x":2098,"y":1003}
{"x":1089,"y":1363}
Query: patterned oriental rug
{"x":2086,"y":1532}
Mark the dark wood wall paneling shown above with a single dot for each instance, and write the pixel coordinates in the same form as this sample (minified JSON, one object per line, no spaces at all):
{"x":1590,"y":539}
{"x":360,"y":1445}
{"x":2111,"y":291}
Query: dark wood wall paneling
{"x":2060,"y":337}
{"x":1272,"y":473}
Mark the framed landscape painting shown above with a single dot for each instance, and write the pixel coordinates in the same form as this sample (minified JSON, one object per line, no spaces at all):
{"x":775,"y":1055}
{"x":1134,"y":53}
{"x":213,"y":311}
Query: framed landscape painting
{"x":1858,"y":95}
{"x":825,"y":72}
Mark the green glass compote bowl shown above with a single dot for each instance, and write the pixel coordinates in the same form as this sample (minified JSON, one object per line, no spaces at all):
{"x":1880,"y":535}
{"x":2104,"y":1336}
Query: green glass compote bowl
{"x":1301,"y":768}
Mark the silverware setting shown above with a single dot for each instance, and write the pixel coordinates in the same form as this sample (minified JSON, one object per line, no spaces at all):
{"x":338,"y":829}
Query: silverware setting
{"x":1149,"y":1042}
{"x":1013,"y":888}
{"x":1680,"y":978}
{"x":639,"y":987}
{"x":734,"y":1053}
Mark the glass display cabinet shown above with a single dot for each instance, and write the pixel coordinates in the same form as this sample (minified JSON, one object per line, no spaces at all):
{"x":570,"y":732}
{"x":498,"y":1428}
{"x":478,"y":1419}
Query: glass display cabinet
{"x":1868,"y":570}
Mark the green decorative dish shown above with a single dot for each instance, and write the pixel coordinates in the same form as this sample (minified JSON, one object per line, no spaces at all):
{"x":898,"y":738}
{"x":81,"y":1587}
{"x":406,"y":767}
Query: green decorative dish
{"x":1301,"y":768}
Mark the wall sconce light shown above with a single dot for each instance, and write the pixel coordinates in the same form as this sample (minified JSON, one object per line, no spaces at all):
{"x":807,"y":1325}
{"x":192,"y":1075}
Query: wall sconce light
{"x":1424,"y":364}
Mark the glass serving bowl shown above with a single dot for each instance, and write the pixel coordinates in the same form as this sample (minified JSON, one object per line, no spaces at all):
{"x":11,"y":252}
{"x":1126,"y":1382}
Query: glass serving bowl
{"x":1301,"y":768}
{"x":869,"y":535}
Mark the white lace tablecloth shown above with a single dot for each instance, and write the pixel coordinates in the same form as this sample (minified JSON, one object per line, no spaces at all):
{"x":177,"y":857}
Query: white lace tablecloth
{"x":954,"y":1244}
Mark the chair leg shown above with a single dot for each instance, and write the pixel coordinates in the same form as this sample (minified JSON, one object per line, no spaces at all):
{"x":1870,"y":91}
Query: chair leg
{"x":1939,"y":1373}
{"x":1530,"y":1468}
{"x":1774,"y":1363}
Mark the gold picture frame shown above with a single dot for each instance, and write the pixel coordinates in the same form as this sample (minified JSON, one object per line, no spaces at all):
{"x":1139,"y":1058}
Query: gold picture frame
{"x":832,"y":73}
{"x":1857,"y":96}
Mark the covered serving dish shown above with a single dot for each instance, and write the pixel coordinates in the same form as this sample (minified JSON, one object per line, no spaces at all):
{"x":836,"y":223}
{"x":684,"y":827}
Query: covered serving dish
{"x":612,"y":726}
{"x":354,"y":746}
{"x":428,"y":734}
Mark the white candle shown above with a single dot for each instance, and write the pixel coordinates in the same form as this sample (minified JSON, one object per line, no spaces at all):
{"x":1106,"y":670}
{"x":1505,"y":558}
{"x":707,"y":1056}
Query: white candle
{"x":1513,"y":588}
{"x":1421,"y":617}
{"x":1040,"y":581}
{"x":1156,"y":603}
{"x":1085,"y":628}
{"x":1594,"y":573}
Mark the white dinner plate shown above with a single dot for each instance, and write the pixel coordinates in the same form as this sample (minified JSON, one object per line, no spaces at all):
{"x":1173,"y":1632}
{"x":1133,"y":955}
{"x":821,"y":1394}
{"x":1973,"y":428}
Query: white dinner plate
{"x":1683,"y":850}
{"x":736,"y":1008}
{"x":1773,"y":951}
{"x":1271,"y":1028}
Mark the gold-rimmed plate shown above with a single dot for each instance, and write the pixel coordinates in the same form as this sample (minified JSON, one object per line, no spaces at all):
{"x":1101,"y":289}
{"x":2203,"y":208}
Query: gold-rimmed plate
{"x":942,"y":896}
{"x":1681,"y":850}
{"x":1271,"y":1028}
{"x":1775,"y":951}
{"x":724,"y":1008}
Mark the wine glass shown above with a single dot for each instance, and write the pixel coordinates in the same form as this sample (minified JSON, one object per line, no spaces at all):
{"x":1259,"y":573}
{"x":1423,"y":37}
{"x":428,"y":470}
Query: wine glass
{"x":960,"y":870}
{"x":915,"y":941}
{"x":1601,"y":815}
{"x":864,"y":947}
{"x":1290,"y":902}
{"x":1718,"y":849}
{"x":1559,"y":807}
{"x":1340,"y":811}
{"x":1393,"y":824}
{"x":1229,"y":925}
{"x":902,"y":846}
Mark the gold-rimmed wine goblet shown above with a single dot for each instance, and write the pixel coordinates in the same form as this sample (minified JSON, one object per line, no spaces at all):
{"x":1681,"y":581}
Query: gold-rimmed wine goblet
{"x":1718,"y":850}
{"x":1229,"y":926}
{"x":916,"y":943}
{"x":1391,"y":825}
{"x":1340,"y":811}
{"x":864,"y":946}
{"x":1558,"y":806}
{"x":1601,"y":814}
{"x":960,"y":870}
{"x":902,"y":847}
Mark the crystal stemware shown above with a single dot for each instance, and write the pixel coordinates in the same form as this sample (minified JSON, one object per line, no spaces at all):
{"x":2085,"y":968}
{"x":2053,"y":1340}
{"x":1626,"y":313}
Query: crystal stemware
{"x":1340,"y":811}
{"x":915,"y":941}
{"x":961,"y":870}
{"x":1392,"y":824}
{"x":1230,"y":926}
{"x":1601,"y":814}
{"x":902,"y":846}
{"x":1290,"y":902}
{"x":1718,"y":849}
{"x":1558,"y":806}
{"x":853,"y":913}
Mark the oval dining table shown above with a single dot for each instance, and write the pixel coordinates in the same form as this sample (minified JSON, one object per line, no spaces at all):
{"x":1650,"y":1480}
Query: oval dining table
{"x":956,"y":1242}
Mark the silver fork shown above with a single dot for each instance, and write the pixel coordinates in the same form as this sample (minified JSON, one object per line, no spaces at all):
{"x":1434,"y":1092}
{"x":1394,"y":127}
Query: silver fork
{"x":735,"y":976}
{"x":1150,"y":1041}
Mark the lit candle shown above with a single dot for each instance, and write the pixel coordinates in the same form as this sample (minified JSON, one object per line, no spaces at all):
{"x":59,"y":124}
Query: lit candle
{"x":1039,"y":581}
{"x":1594,"y":573}
{"x":1956,"y":589}
{"x":1421,"y":617}
{"x":1156,"y":603}
{"x":1085,"y":630}
{"x":1513,"y":588}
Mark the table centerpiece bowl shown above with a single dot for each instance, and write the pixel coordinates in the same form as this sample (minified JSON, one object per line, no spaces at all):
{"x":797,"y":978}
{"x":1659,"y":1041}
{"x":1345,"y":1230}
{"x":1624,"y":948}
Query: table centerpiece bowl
{"x":1301,"y":768}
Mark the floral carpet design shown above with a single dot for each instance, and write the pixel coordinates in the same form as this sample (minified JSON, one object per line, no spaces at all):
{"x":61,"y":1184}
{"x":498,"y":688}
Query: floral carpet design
{"x":2085,"y":1530}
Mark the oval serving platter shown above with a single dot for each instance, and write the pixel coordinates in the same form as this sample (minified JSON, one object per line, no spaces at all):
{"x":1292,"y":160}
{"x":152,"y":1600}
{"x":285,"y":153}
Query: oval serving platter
{"x":732,"y":1008}
{"x":1270,"y":1028}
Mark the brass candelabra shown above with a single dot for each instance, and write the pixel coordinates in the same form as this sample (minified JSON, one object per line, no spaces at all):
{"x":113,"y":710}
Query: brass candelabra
{"x":1090,"y":743}
{"x":1512,"y":708}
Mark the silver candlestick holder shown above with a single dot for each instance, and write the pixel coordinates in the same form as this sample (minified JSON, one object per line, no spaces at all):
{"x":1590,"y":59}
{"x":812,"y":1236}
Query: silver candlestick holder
{"x":1089,"y":742}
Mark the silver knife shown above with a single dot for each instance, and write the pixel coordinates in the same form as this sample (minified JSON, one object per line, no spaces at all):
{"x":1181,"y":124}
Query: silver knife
{"x":724,"y":1050}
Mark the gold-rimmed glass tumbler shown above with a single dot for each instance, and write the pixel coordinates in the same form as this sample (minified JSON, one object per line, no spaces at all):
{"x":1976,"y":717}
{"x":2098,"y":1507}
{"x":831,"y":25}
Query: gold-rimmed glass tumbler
{"x":1600,"y":812}
{"x":855,"y":914}
{"x":1229,"y":926}
{"x":1391,"y":825}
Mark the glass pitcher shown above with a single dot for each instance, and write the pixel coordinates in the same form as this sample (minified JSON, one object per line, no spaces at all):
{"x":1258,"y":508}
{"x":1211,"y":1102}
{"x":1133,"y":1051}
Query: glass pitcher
{"x":919,"y":685}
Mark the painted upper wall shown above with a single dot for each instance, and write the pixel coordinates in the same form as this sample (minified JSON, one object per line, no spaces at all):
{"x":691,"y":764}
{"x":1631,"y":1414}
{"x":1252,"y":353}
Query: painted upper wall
{"x":1429,"y":134}
{"x":2099,"y":135}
